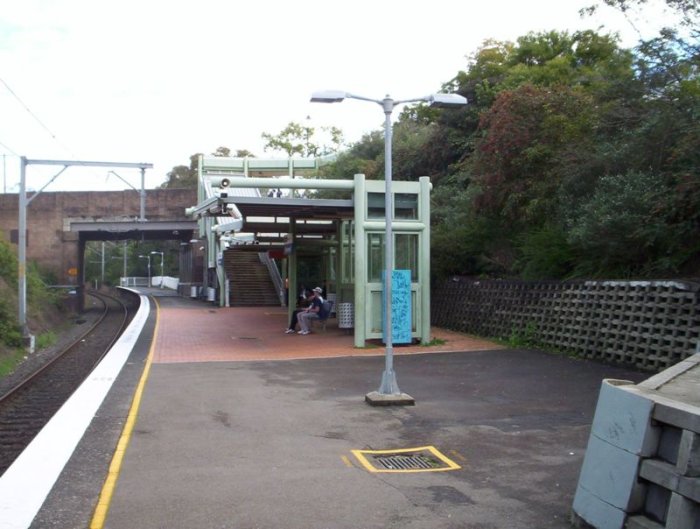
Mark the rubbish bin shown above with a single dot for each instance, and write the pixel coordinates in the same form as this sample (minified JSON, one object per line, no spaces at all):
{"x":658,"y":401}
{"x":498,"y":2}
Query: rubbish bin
{"x":211,"y":294}
{"x":346,"y":316}
{"x":193,"y":291}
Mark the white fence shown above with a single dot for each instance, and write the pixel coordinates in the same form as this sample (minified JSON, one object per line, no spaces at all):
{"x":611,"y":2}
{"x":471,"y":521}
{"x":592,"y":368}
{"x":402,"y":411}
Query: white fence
{"x":168,"y":282}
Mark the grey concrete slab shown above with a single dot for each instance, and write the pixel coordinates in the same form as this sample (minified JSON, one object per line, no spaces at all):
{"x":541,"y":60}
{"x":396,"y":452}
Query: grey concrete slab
{"x":268,"y":444}
{"x":684,"y":388}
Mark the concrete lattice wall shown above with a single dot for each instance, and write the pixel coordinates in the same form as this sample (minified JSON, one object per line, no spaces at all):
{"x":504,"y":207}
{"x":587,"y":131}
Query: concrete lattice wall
{"x":648,"y":324}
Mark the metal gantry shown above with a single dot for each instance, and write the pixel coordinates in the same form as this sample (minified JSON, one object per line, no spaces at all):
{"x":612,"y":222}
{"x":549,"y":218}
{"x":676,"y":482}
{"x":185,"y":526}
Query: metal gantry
{"x":22,"y":221}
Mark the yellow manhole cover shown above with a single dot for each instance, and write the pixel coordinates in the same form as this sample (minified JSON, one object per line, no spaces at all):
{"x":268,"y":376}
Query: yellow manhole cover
{"x":421,"y":459}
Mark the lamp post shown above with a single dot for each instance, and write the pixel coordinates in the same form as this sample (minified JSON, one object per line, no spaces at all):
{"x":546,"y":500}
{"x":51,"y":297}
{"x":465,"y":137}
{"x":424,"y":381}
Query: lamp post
{"x":389,"y":392}
{"x":149,"y":267}
{"x":162,"y":274}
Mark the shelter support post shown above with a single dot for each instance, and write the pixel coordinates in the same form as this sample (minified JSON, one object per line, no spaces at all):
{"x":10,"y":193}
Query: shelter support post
{"x":424,"y":260}
{"x":292,"y":261}
{"x":360,"y":319}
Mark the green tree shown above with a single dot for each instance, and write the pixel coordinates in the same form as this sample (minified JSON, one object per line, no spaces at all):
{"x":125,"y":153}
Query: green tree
{"x":8,"y":263}
{"x":293,"y":139}
{"x":687,"y":10}
{"x":545,"y":253}
{"x":303,"y":140}
{"x":537,"y":175}
{"x":244,"y":153}
{"x":366,"y":157}
{"x":182,"y":176}
{"x":623,"y":229}
{"x":185,"y":176}
{"x":558,"y":112}
{"x":223,"y":152}
{"x":531,"y":135}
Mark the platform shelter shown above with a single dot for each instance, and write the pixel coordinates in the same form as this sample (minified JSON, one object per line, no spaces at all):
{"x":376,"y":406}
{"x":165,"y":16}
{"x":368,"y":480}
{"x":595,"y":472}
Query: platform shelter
{"x":283,"y":211}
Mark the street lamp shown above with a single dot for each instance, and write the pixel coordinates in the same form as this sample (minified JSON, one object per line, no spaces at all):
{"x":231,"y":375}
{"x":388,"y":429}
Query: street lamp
{"x":162,"y":274}
{"x":389,"y":392}
{"x":149,"y":267}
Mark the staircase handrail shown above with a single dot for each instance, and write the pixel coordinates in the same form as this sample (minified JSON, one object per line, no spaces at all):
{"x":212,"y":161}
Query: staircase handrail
{"x":274,"y":274}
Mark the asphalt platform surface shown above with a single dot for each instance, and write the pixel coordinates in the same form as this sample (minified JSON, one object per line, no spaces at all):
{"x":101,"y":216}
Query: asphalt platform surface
{"x":244,"y":427}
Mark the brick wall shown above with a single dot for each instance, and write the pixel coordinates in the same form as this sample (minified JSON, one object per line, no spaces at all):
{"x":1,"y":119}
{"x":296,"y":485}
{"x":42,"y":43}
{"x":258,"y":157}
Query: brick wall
{"x":649,"y":324}
{"x":54,"y":247}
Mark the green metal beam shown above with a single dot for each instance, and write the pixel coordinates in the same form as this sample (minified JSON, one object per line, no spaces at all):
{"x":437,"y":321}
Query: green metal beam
{"x":289,"y":183}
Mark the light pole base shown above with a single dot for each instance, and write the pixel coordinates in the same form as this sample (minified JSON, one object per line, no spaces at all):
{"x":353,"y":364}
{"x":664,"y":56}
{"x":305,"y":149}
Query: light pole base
{"x":29,"y":343}
{"x":375,"y":398}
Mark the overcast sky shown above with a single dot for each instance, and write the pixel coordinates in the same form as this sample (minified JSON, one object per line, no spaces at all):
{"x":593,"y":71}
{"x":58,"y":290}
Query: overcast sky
{"x":153,"y":81}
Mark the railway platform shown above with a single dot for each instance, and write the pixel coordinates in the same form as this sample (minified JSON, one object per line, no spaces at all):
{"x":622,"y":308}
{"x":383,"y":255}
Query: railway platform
{"x":220,"y":420}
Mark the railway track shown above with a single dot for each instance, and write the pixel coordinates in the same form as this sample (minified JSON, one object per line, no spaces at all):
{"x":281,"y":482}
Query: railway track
{"x":30,"y":404}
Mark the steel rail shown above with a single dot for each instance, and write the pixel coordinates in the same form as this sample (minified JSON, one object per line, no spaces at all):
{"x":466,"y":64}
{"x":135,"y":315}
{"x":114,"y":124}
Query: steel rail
{"x":32,"y":376}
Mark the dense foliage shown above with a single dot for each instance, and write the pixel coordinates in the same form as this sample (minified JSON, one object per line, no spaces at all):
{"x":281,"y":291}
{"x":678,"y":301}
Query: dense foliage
{"x":43,"y":304}
{"x":574,"y":158}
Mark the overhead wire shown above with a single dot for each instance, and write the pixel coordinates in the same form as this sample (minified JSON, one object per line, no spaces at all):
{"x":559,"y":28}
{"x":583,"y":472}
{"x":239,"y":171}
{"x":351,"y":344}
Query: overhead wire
{"x":11,"y":151}
{"x":36,"y":118}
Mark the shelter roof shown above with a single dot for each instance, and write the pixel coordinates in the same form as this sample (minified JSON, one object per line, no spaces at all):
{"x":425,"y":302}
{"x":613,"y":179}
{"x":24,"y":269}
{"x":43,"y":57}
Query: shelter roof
{"x":299,"y":208}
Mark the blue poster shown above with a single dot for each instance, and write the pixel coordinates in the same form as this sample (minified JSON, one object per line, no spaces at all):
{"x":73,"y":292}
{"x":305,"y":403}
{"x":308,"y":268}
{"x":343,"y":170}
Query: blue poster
{"x":400,"y":307}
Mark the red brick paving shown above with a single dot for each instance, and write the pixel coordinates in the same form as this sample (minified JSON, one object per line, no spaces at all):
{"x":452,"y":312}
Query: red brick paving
{"x":193,"y":331}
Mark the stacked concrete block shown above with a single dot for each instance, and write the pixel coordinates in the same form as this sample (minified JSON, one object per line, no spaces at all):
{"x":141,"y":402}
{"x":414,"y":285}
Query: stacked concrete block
{"x":674,"y":471}
{"x":621,"y":435}
{"x":642,"y":465}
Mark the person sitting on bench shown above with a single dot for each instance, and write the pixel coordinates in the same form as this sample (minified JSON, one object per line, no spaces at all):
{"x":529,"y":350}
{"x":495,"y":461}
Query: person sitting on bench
{"x":315,"y":311}
{"x":303,"y":302}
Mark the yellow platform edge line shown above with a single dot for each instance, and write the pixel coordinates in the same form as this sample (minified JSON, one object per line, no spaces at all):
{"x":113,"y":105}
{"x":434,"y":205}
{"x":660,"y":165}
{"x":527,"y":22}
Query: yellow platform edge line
{"x":103,"y":503}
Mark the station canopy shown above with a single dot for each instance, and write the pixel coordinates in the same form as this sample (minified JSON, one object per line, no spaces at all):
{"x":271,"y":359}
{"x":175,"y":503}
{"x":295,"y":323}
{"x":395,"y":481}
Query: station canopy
{"x":267,"y":218}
